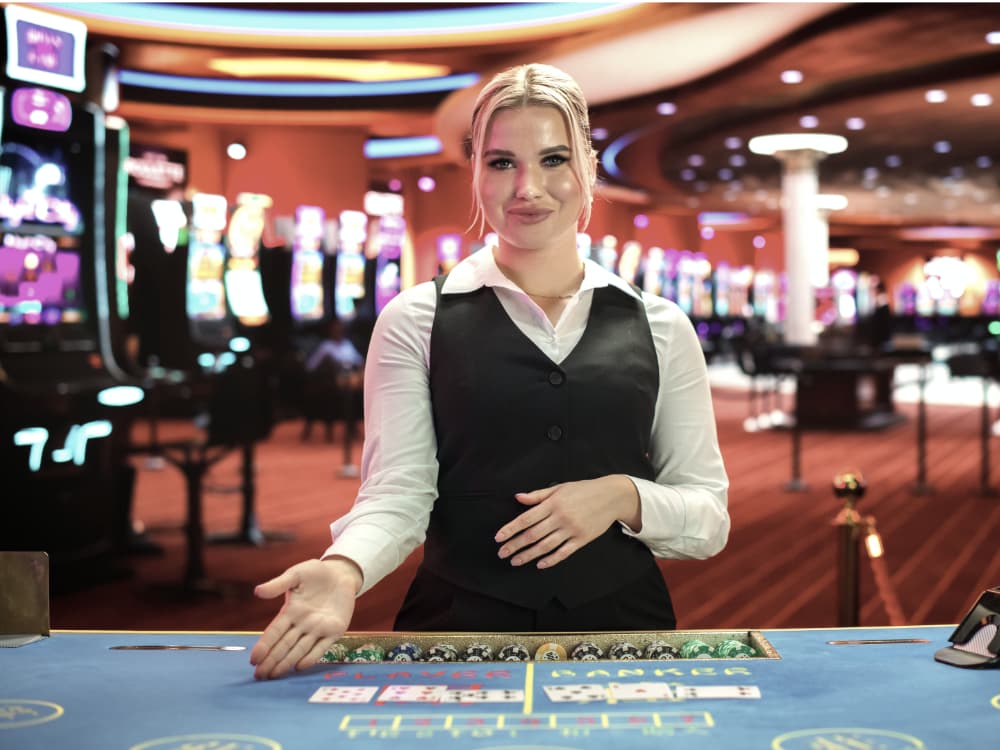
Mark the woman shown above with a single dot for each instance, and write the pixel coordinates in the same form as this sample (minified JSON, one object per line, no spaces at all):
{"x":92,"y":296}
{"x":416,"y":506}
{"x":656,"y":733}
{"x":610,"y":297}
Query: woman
{"x":540,"y":425}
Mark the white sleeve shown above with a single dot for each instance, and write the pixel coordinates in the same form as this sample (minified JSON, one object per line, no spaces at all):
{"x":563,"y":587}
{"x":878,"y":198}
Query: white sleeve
{"x":399,"y":460}
{"x":685,"y":509}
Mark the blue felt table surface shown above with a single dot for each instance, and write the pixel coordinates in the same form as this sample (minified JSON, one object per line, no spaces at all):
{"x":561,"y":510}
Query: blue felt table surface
{"x":74,"y":691}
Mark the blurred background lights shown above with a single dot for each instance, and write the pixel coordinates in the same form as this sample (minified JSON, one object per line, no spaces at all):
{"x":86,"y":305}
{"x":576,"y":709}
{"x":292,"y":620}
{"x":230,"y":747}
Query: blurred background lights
{"x":640,"y":221}
{"x":942,"y":147}
{"x":666,"y":108}
{"x":426,"y":184}
{"x":759,"y":241}
{"x":855,"y":123}
{"x":936,"y":96}
{"x":395,"y":184}
{"x":809,"y":121}
{"x":981,"y":100}
{"x":791,"y":76}
{"x":236,"y":151}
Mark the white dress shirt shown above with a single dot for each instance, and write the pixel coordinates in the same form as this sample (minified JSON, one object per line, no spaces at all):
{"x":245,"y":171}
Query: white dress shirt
{"x":684,"y":510}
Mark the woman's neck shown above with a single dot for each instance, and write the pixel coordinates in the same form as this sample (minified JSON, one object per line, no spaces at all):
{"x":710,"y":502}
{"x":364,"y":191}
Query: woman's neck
{"x":543,"y":275}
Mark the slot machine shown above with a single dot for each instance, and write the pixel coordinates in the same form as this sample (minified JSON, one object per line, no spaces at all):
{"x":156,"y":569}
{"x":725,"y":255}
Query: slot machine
{"x":389,"y":239}
{"x":64,"y":394}
{"x":209,"y":321}
{"x":449,"y":251}
{"x":350,"y":279}
{"x":307,"y":294}
{"x":242,"y":278}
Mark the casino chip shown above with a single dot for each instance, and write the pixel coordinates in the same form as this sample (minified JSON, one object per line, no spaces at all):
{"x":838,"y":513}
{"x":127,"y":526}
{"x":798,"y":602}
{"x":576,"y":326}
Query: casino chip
{"x":551,"y":651}
{"x":696,"y":649}
{"x":586,"y":651}
{"x":366,"y":652}
{"x":405,"y":652}
{"x":478,"y":652}
{"x":442,"y":652}
{"x":733,"y":649}
{"x":514,"y":652}
{"x":661,"y":651}
{"x":625,"y":651}
{"x":336,"y":653}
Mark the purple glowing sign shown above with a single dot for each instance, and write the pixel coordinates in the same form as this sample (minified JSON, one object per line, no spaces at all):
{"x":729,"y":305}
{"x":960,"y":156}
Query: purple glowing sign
{"x":45,"y":49}
{"x":42,"y":109}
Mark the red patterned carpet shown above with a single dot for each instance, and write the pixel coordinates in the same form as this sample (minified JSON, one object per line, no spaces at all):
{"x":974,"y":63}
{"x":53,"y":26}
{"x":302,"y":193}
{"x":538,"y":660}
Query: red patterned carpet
{"x":778,"y":571}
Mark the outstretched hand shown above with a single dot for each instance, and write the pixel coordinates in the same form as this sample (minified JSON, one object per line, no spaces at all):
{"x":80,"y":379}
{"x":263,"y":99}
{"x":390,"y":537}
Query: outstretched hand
{"x":319,"y":604}
{"x":565,"y":517}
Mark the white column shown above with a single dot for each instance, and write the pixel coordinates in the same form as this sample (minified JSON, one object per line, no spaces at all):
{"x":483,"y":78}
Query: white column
{"x":799,"y":154}
{"x":826,"y":204}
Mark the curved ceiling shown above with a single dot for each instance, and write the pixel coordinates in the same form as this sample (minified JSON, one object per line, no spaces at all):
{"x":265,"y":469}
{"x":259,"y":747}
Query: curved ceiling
{"x":679,"y":89}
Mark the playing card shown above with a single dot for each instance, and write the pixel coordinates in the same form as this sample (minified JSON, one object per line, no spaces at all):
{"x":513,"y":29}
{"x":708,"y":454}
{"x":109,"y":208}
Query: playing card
{"x":412,"y":694}
{"x":576,"y":693}
{"x":338,"y":694}
{"x":482,"y":696}
{"x":686,"y":692}
{"x":640,"y":691}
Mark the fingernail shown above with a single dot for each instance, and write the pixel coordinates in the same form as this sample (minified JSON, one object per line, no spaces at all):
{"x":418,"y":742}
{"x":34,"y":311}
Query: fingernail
{"x":542,"y":564}
{"x":499,"y":537}
{"x":503,"y":552}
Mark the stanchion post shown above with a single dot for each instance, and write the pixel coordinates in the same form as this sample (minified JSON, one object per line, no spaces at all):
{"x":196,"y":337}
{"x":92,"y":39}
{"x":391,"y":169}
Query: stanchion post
{"x":850,"y":486}
{"x":796,"y":483}
{"x":921,"y":487}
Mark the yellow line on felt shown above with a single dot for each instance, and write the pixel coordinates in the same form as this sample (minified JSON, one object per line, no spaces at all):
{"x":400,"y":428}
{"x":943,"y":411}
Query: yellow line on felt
{"x":529,"y":686}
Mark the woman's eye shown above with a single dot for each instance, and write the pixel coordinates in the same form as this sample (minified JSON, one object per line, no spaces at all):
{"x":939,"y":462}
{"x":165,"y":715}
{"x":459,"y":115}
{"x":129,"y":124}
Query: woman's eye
{"x":555,"y":160}
{"x":501,"y":164}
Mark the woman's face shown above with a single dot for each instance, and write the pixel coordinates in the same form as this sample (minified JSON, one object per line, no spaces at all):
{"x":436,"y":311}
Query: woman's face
{"x":529,"y":193}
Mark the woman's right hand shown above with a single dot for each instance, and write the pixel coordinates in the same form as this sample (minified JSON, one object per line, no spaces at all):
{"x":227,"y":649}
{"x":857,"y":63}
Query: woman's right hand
{"x":319,"y":604}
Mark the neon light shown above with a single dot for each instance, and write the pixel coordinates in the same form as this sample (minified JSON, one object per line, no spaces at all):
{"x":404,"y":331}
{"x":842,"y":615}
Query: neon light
{"x":120,"y":395}
{"x":291,"y":89}
{"x":74,"y":448}
{"x":193,"y":18}
{"x":387,"y":148}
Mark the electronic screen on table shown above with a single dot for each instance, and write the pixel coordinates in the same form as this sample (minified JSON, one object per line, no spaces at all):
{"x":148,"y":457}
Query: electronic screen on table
{"x":46,"y":244}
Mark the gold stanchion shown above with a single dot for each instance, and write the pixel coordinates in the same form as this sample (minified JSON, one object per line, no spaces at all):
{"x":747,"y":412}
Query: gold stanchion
{"x":850,"y":486}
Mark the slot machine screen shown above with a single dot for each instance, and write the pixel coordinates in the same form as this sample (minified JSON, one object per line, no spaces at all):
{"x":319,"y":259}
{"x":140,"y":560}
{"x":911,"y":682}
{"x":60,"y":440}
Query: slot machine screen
{"x":46,"y":243}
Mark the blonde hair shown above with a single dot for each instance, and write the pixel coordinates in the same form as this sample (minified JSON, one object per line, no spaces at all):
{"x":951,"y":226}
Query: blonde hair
{"x":544,"y":85}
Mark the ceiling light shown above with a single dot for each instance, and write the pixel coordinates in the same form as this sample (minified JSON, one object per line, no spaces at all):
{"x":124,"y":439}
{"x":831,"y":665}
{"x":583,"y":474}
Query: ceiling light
{"x":236,"y":151}
{"x":738,"y":160}
{"x":855,"y":123}
{"x":688,"y":174}
{"x":981,"y":100}
{"x":831,"y":202}
{"x":936,"y":96}
{"x":942,"y":147}
{"x":666,"y":108}
{"x":993,"y":37}
{"x":725,"y":173}
{"x":732,"y":142}
{"x":809,"y":121}
{"x":893,"y":160}
{"x":769,"y":145}
{"x":791,"y":76}
{"x":599,"y":134}
{"x":696,"y":160}
{"x":984,"y":162}
{"x":334,"y":69}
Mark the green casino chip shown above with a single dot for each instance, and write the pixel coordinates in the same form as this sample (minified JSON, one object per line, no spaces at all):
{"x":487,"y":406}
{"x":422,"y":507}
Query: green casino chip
{"x":696,"y":649}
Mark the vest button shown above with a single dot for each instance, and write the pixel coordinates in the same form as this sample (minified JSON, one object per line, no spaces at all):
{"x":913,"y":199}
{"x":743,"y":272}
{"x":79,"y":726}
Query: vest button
{"x":556,"y":377}
{"x":554,"y":432}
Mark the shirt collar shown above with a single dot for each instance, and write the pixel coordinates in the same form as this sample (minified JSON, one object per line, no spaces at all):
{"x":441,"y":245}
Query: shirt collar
{"x":480,"y":269}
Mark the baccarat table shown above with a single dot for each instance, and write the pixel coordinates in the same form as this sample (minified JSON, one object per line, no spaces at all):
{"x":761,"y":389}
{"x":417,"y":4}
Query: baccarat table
{"x":827,"y":689}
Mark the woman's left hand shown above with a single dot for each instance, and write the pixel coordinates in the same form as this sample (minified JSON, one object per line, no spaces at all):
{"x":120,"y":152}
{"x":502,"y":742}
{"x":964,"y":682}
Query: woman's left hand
{"x":565,"y":517}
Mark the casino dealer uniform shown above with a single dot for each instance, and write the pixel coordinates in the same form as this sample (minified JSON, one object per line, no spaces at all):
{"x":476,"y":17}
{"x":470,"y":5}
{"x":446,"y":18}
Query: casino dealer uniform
{"x":510,"y":420}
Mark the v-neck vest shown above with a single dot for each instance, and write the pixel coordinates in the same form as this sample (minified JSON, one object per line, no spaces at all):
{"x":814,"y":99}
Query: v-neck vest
{"x":508,"y":419}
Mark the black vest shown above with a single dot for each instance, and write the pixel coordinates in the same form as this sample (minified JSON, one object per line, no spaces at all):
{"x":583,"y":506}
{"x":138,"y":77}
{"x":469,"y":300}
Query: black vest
{"x":510,"y":420}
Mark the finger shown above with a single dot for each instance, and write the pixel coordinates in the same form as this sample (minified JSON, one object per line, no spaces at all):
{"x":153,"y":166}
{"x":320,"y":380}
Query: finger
{"x":277,"y":586}
{"x":269,"y":638}
{"x":541,"y":547}
{"x":536,"y":496}
{"x":533,"y":533}
{"x":562,"y":552}
{"x":271,"y":665}
{"x":295,"y":654}
{"x":315,"y":653}
{"x":524,"y":521}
